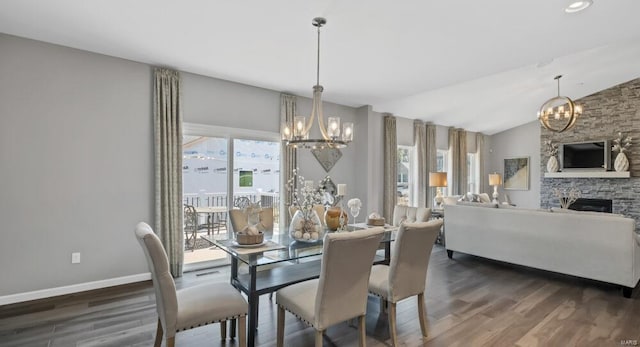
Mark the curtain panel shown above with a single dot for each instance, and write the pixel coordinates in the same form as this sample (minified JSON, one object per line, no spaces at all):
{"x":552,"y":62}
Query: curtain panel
{"x":458,"y":155}
{"x":432,"y":161}
{"x":480,"y":151}
{"x":390,"y":167}
{"x":420,"y":172}
{"x":288,"y":110}
{"x":167,"y":121}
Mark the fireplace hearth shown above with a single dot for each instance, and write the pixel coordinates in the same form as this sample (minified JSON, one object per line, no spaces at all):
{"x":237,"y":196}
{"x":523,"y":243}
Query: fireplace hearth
{"x":595,"y":205}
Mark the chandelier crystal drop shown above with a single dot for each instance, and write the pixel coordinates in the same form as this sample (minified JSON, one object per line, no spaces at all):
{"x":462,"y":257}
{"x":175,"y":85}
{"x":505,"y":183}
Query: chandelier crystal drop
{"x":559,"y":113}
{"x":296,"y":133}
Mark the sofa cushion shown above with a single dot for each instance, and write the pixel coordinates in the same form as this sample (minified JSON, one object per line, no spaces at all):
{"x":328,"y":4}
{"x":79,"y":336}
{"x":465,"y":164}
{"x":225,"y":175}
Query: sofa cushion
{"x":450,"y":200}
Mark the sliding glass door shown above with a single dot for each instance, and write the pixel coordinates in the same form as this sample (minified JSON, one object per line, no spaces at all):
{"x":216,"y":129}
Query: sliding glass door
{"x":256,"y":174}
{"x":221,"y":165}
{"x":204,"y":184}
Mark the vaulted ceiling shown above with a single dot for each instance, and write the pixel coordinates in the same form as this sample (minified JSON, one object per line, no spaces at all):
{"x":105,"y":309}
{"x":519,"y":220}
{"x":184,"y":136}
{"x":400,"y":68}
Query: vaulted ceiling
{"x":481,"y":65}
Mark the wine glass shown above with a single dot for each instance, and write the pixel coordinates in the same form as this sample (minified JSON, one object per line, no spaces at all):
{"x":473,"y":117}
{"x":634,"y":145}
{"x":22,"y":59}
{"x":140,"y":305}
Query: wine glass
{"x":355,"y":211}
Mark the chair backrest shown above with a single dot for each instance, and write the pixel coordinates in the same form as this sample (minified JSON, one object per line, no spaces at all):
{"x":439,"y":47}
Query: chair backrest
{"x":190,"y":218}
{"x":410,"y":214}
{"x":239,"y":219}
{"x":165,"y":288}
{"x":344,"y":275}
{"x":410,"y":258}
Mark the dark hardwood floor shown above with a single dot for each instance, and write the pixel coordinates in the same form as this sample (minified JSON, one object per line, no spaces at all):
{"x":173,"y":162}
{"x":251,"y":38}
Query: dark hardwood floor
{"x":470,"y":301}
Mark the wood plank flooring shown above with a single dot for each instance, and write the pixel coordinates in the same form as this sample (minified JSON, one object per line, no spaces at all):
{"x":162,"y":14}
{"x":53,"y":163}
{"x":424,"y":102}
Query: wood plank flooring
{"x":470,"y":301}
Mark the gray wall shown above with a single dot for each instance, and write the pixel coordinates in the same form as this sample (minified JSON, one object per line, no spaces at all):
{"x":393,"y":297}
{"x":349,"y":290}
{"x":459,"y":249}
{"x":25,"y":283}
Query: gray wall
{"x":217,"y":102}
{"x":76,"y":157}
{"x":522,"y":141}
{"x":75,"y":165}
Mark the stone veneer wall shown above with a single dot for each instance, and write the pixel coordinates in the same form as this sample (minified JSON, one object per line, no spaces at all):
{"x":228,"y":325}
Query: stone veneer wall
{"x":606,"y":113}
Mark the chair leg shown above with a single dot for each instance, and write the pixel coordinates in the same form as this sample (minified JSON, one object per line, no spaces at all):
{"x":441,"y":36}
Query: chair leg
{"x":319,"y":338}
{"x":159,"y":333}
{"x":280,"y":329}
{"x":223,"y":330}
{"x":392,"y":323}
{"x":383,"y":305}
{"x":362,"y":329}
{"x":422,"y":314}
{"x":242,"y":331}
{"x":171,"y":341}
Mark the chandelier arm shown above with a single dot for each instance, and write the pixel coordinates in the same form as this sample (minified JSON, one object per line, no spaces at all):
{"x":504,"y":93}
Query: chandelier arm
{"x":323,"y":129}
{"x":313,"y":113}
{"x":574,"y":117}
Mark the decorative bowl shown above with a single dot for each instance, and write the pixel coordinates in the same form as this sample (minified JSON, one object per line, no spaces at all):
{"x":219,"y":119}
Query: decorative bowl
{"x":246,"y":239}
{"x":379,"y":222}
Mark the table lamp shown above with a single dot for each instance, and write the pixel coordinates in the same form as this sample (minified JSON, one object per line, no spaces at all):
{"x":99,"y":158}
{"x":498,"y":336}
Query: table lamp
{"x":495,"y":180}
{"x":438,"y":179}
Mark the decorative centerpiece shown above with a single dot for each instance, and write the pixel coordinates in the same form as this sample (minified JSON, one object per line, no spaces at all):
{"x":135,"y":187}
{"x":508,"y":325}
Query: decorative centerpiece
{"x":567,"y":197}
{"x":305,"y":225}
{"x":552,"y":150}
{"x":621,"y":145}
{"x":250,"y":235}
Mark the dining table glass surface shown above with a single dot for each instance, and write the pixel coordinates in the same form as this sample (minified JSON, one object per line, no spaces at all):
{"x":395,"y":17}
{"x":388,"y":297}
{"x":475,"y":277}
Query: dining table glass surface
{"x":290,"y":249}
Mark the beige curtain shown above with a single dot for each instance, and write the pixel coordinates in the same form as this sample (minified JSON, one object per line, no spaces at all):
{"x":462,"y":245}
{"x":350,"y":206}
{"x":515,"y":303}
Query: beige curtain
{"x":458,"y":155}
{"x":288,"y":110}
{"x":432,"y":157}
{"x":480,"y":157}
{"x":420,"y":172}
{"x":390,"y":167}
{"x":167,"y":121}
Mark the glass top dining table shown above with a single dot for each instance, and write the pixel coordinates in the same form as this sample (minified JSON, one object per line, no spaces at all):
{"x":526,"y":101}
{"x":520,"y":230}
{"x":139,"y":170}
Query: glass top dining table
{"x":289,"y":261}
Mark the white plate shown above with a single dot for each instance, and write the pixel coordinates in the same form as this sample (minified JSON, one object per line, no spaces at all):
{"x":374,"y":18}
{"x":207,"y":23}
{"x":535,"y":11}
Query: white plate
{"x":236,"y":244}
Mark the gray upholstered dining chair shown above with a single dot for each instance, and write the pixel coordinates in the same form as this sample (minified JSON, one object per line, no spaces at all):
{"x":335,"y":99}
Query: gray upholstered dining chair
{"x":406,"y":275}
{"x":409,"y":214}
{"x":190,"y":307}
{"x":239,"y":219}
{"x":340,"y":293}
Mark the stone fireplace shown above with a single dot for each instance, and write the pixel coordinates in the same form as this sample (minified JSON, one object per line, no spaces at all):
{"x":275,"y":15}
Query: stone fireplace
{"x":607,"y":112}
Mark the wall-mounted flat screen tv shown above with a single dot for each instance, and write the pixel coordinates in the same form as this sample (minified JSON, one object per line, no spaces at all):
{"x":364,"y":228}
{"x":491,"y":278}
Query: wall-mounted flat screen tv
{"x":590,"y":155}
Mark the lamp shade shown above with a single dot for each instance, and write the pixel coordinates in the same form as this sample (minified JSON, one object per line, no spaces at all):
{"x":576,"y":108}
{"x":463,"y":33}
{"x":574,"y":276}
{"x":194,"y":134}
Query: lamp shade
{"x":437,"y":179}
{"x":495,"y":179}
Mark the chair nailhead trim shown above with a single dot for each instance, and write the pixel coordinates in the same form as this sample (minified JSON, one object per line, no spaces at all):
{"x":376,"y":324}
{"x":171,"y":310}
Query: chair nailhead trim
{"x":211,"y":322}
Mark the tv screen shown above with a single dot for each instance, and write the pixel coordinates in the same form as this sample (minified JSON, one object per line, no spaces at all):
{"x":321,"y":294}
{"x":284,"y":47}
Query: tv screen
{"x":586,"y":155}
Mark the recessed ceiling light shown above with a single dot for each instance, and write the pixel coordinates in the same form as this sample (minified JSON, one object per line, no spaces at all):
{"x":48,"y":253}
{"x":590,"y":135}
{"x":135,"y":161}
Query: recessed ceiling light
{"x":578,"y":6}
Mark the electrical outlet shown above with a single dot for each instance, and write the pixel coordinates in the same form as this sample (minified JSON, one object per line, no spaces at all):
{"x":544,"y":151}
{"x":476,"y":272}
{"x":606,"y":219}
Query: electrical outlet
{"x":75,"y":258}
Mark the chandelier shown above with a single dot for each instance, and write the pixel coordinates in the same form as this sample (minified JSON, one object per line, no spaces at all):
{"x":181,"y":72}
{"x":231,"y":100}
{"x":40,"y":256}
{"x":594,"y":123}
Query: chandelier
{"x":559,"y":113}
{"x":297,"y":134}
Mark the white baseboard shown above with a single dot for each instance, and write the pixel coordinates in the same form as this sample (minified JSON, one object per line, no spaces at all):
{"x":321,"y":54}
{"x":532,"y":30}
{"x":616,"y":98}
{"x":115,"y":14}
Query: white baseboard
{"x":74,"y":288}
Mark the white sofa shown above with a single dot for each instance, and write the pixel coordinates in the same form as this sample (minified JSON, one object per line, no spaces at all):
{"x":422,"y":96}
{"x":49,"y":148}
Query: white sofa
{"x":589,"y":245}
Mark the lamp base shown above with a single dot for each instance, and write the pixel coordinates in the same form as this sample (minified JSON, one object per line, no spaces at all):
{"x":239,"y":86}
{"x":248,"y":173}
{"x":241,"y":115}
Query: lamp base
{"x":495,"y":195}
{"x":438,"y":199}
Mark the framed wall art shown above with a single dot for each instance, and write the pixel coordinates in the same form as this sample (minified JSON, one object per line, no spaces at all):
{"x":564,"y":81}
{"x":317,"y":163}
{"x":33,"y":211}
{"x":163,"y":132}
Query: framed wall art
{"x":516,"y":173}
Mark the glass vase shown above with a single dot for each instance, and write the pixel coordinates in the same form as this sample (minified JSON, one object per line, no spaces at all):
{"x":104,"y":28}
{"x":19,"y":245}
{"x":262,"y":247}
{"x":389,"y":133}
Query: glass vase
{"x":306,"y":226}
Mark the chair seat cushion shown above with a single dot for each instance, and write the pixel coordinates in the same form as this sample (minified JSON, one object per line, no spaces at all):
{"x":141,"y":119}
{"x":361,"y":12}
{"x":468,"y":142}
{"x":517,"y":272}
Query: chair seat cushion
{"x":379,"y":280}
{"x":299,"y":299}
{"x":208,"y":303}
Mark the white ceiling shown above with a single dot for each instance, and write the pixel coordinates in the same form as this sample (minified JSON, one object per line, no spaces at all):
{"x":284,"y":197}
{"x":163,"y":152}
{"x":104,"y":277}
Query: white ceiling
{"x":481,"y":65}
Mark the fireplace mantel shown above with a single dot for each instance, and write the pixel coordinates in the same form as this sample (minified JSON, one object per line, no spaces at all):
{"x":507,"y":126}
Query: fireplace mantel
{"x":588,"y":174}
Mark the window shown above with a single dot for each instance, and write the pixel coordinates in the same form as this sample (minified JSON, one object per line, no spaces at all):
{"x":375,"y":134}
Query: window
{"x":442,"y":165}
{"x":472,"y":173}
{"x":404,"y":181}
